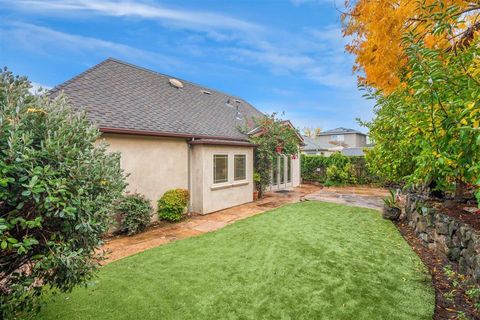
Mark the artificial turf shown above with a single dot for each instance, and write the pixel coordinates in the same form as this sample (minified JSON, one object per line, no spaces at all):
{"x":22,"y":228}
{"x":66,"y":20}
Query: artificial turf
{"x":310,"y":260}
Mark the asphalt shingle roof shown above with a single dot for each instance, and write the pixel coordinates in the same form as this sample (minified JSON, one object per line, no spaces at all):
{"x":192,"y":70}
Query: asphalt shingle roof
{"x":340,"y":130}
{"x":350,"y":152}
{"x":118,"y":95}
{"x":314,"y":144}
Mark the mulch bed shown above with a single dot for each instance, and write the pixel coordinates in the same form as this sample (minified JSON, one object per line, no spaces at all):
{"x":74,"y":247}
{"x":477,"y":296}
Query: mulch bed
{"x":457,"y":212}
{"x":450,"y":301}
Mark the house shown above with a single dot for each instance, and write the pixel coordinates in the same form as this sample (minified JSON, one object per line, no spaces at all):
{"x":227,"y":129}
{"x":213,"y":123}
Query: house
{"x":349,"y":138}
{"x":172,"y":133}
{"x":349,"y":142}
{"x":314,"y":147}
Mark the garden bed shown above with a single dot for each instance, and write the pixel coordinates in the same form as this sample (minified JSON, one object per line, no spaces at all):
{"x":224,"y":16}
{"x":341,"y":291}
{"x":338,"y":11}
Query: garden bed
{"x":451,"y":302}
{"x":457,"y":212}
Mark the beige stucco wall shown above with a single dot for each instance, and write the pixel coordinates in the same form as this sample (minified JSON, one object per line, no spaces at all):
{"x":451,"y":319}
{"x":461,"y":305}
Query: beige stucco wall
{"x":154,"y":164}
{"x":351,"y":140}
{"x":209,"y":197}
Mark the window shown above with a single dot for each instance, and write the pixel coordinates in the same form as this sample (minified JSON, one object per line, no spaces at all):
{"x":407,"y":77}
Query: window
{"x":240,"y":167}
{"x":338,"y":137}
{"x":289,"y":169}
{"x":220,"y":168}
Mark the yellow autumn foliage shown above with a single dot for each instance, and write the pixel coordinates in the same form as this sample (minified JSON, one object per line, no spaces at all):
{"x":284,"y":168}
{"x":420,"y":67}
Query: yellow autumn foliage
{"x":376,"y":29}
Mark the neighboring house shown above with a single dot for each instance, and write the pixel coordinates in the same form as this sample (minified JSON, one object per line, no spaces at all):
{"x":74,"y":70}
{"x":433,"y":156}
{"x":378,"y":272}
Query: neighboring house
{"x":314,"y":147}
{"x":348,"y":138}
{"x":349,"y":142}
{"x":173,"y":134}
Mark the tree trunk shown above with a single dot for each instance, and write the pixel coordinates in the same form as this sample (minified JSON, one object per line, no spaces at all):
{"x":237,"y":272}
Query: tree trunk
{"x":459,"y":191}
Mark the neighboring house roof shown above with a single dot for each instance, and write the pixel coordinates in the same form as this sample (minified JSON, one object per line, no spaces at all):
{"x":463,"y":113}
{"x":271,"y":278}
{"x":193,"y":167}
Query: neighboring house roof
{"x":123,"y":98}
{"x":340,"y":130}
{"x":350,"y":152}
{"x":314,"y":144}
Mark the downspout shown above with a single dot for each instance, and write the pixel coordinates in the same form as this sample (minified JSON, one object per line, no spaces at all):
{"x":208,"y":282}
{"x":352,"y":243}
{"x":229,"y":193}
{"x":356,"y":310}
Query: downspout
{"x":189,"y":175}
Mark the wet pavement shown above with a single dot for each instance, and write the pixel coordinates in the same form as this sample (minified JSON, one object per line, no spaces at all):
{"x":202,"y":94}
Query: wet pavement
{"x":361,"y":196}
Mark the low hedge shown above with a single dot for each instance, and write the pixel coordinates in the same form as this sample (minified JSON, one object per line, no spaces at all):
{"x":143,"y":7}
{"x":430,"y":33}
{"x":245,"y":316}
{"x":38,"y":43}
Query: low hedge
{"x":172,"y":205}
{"x":135,"y":213}
{"x":336,"y":169}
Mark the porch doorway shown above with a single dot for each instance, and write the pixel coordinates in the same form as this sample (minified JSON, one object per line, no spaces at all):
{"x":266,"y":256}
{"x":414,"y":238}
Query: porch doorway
{"x":281,"y":173}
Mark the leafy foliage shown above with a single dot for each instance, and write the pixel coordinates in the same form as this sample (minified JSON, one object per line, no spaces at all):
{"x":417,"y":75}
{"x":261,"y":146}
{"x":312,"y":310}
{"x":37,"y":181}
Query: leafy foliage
{"x":272,"y":133}
{"x":336,"y":169}
{"x":376,"y":30}
{"x":172,"y":204}
{"x":135,"y":213}
{"x":56,"y":191}
{"x":426,"y":129}
{"x":391,"y":200}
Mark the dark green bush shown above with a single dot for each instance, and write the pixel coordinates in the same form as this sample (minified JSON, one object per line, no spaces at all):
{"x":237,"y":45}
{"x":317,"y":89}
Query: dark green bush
{"x":336,"y":169}
{"x":172,"y":205}
{"x":135,"y":213}
{"x":56,"y":193}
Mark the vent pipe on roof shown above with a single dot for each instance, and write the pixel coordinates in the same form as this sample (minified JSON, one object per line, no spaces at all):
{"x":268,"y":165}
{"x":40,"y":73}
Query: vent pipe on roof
{"x":175,"y":83}
{"x":228,"y":104}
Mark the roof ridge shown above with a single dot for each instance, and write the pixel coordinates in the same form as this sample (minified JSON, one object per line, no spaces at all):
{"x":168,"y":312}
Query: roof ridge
{"x":169,"y":76}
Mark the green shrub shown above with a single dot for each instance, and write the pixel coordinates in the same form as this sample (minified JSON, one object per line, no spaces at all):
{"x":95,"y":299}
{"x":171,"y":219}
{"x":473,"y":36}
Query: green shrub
{"x":172,"y":204}
{"x":56,"y":193}
{"x":336,"y":169}
{"x":341,"y":175}
{"x":135,"y":213}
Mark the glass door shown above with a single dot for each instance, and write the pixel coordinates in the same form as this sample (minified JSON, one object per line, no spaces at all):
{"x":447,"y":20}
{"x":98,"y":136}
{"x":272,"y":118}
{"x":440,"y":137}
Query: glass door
{"x":282,"y":169}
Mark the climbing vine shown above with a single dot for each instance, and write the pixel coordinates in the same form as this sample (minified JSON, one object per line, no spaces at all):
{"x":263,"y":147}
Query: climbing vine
{"x":272,"y":136}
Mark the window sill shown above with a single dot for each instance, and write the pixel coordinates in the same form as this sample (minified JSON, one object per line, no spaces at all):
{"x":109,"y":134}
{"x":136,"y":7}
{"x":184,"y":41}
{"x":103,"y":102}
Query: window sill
{"x":229,"y":185}
{"x":240,"y":183}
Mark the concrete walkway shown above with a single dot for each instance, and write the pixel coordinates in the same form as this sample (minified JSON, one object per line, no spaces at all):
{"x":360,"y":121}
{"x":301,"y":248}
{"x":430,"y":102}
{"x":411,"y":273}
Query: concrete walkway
{"x":124,"y":246}
{"x":366,"y":197}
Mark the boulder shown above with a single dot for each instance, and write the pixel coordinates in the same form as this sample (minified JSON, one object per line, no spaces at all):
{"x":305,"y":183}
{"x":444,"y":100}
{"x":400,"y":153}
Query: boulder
{"x":391,"y":213}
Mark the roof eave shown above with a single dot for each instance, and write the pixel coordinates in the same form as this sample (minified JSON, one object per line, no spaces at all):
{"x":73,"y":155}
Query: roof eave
{"x":164,"y":134}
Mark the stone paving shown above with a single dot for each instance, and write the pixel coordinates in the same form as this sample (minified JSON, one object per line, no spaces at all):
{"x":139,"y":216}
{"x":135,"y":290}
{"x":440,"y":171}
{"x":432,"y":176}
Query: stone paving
{"x":360,"y":196}
{"x":124,"y":246}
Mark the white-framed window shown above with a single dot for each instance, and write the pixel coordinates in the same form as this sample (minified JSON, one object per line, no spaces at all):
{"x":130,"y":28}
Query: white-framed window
{"x":220,"y":168}
{"x":338,"y":137}
{"x":239,"y":167}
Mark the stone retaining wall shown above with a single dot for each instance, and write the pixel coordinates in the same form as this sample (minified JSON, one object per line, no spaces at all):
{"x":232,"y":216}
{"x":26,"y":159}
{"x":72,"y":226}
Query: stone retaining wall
{"x":458,"y":241}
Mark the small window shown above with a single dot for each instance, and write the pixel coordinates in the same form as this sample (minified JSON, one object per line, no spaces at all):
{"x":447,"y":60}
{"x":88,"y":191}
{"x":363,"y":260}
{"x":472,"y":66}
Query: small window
{"x":338,"y":137}
{"x":220,"y":168}
{"x":240,"y":167}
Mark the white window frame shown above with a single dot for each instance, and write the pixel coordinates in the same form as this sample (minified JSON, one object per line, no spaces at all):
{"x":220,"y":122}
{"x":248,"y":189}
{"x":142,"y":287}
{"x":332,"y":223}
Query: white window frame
{"x":244,"y":155}
{"x":214,"y":167}
{"x":338,"y":137}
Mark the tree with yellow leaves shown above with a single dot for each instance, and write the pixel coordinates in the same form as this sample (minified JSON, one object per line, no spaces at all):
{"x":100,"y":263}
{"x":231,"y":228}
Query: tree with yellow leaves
{"x":420,"y":61}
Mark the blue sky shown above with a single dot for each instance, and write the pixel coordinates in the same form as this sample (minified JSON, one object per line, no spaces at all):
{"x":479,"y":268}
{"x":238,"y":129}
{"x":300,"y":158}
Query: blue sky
{"x":284,"y":56}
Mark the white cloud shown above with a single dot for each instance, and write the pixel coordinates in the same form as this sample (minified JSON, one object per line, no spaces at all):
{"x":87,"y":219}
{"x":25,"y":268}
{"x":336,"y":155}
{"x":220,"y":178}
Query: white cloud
{"x":38,"y":88}
{"x":141,"y":10}
{"x":41,"y":40}
{"x":315,"y":54}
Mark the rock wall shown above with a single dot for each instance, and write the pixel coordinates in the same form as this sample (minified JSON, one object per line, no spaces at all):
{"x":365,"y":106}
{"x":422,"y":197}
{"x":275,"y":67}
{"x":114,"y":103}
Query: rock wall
{"x":458,"y":241}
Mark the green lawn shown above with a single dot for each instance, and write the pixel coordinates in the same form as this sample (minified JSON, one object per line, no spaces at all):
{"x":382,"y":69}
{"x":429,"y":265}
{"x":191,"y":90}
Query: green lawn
{"x":310,"y":260}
